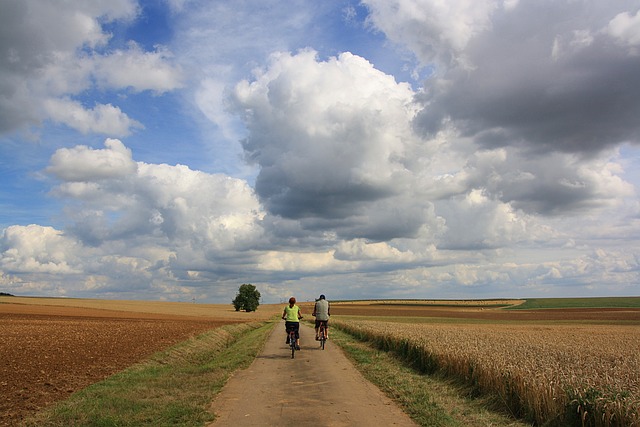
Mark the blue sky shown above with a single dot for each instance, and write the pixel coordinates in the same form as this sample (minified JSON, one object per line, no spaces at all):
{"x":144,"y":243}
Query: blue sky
{"x":173,"y":150}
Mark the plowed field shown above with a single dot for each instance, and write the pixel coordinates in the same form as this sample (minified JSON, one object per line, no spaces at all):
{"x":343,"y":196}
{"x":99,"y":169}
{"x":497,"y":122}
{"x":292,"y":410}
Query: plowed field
{"x":597,"y":315}
{"x":49,"y":352}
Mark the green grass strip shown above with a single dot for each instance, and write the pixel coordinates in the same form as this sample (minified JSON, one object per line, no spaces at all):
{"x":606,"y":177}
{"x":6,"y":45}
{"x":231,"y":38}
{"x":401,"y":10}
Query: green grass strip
{"x":592,"y":302}
{"x":174,"y":387}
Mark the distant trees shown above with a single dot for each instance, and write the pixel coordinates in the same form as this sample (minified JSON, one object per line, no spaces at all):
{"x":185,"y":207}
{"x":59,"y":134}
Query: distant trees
{"x":247,"y":298}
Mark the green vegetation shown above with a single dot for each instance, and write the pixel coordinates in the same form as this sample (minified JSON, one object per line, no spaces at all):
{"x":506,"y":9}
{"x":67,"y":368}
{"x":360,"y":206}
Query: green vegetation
{"x":596,"y":302}
{"x":430,"y":400}
{"x":247,"y":298}
{"x":174,"y":387}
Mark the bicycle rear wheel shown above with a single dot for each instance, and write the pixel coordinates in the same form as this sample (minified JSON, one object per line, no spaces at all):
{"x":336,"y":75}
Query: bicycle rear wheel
{"x":322,"y":337}
{"x":292,"y":343}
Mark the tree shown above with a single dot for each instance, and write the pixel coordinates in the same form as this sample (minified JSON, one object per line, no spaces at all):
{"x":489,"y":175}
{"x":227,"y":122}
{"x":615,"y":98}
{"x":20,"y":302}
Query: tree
{"x":247,"y":298}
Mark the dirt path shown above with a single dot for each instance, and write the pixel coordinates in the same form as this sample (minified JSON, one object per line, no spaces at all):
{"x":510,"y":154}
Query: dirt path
{"x":318,"y":388}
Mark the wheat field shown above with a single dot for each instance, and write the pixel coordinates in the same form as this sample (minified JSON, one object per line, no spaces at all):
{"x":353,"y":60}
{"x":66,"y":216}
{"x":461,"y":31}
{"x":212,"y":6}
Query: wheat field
{"x":549,"y":374}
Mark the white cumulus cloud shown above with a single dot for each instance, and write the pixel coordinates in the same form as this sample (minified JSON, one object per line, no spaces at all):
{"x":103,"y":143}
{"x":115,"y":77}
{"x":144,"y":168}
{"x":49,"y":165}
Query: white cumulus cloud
{"x":52,"y":52}
{"x":83,"y":164}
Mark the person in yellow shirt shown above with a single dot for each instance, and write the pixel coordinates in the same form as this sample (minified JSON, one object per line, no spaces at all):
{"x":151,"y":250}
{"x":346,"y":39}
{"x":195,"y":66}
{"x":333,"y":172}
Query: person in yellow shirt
{"x":292,"y":316}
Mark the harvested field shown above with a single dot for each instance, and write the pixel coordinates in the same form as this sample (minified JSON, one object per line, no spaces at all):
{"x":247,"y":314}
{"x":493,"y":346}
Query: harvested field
{"x":120,"y":308}
{"x":53,"y":347}
{"x":628,"y":315}
{"x":51,"y":351}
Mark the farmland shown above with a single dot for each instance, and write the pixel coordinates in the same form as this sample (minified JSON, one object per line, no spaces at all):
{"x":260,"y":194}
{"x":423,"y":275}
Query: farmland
{"x":544,"y":365}
{"x":51,"y":348}
{"x":551,"y":367}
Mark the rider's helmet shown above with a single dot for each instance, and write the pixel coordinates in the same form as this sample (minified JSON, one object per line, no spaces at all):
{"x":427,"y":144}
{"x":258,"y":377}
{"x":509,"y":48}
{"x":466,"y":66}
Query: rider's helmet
{"x":292,"y":300}
{"x":322,"y":297}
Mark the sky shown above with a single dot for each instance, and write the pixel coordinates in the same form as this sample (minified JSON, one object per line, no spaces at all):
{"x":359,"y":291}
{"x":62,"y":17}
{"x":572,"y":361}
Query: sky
{"x":174,"y":150}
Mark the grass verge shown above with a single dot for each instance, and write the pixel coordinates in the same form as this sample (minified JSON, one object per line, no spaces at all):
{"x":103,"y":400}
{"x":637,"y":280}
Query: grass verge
{"x":430,"y":400}
{"x":590,"y":302}
{"x":173,"y":387}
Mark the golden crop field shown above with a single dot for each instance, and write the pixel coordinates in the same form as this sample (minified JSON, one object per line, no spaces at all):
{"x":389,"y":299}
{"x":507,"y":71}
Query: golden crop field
{"x":541,"y":372}
{"x":164,"y":308}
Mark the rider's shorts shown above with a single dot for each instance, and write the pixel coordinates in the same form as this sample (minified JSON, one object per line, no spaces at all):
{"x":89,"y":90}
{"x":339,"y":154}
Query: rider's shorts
{"x":319,"y":322}
{"x":295,"y":326}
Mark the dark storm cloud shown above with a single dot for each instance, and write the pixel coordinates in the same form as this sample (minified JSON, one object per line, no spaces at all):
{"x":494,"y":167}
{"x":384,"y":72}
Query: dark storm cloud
{"x":553,"y":184}
{"x":301,"y":201}
{"x":548,"y":76}
{"x":19,"y":56}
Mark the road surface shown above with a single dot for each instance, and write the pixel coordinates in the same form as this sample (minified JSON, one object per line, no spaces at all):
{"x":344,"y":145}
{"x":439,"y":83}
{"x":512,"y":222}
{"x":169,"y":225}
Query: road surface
{"x":317,"y":388}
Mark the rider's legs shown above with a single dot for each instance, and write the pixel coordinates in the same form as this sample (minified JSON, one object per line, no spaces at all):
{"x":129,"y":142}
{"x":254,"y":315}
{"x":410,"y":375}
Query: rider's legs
{"x":326,"y":328}
{"x":293,"y":326}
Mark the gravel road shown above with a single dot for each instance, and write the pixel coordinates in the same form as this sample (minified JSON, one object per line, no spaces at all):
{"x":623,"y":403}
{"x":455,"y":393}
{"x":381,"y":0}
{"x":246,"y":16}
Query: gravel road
{"x":318,"y":387}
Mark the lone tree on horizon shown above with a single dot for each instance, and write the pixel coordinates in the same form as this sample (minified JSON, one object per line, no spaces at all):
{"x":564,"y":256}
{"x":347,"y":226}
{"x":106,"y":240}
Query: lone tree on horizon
{"x":247,"y":298}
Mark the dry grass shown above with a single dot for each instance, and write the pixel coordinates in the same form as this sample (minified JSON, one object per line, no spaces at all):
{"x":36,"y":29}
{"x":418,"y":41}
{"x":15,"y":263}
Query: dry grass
{"x":204,"y":311}
{"x":555,"y":374}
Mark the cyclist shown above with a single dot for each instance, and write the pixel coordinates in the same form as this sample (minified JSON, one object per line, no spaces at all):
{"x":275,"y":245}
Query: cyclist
{"x":292,"y":316}
{"x":321,"y":313}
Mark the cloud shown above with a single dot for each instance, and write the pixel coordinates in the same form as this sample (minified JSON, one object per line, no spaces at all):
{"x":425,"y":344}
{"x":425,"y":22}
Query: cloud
{"x":337,"y":152}
{"x":433,"y":30}
{"x":36,"y":249}
{"x":476,"y":222}
{"x":120,"y":197}
{"x":148,"y":223}
{"x":509,"y":171}
{"x":50,"y":53}
{"x":138,"y":70}
{"x":555,"y":184}
{"x":542,"y":76}
{"x":102,"y":119}
{"x":331,"y":138}
{"x":243,"y":38}
{"x":625,"y":28}
{"x":82,"y":163}
{"x":162,"y":231}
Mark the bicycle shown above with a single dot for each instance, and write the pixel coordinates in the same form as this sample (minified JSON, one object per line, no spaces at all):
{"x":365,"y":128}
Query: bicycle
{"x":292,"y":342}
{"x":323,"y":334}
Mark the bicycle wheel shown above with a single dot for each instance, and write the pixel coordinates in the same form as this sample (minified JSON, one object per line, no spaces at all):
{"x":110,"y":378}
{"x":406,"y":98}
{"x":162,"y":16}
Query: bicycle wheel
{"x":292,"y":343}
{"x":322,"y":337}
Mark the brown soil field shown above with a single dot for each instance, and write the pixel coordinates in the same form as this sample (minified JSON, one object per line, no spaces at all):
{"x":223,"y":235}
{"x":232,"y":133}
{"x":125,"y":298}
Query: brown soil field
{"x":51,"y":348}
{"x":631,"y":315}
